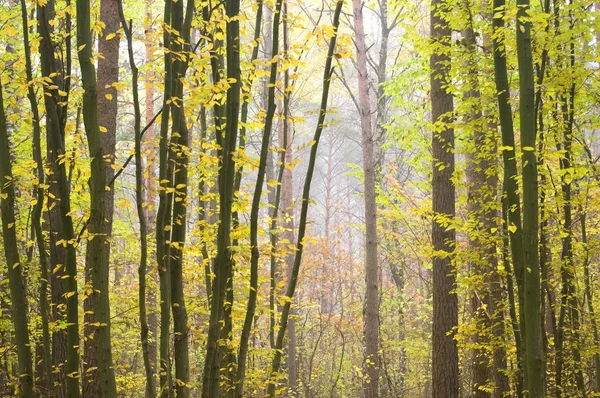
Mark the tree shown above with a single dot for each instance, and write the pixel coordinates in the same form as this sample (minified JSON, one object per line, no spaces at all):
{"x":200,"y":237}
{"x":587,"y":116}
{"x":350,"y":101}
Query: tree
{"x":62,"y":242}
{"x":371,"y":310}
{"x":445,"y":301}
{"x":533,"y":320}
{"x":107,"y":76}
{"x":13,"y":261}
{"x":97,"y":234}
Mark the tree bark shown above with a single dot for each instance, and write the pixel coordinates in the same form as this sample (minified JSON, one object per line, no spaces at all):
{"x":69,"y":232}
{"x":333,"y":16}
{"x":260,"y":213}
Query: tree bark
{"x":445,"y":301}
{"x":63,"y":254}
{"x":13,"y":262}
{"x":371,"y":305}
{"x":108,"y":73}
{"x":223,"y":261}
{"x":533,"y":335}
{"x":97,"y":231}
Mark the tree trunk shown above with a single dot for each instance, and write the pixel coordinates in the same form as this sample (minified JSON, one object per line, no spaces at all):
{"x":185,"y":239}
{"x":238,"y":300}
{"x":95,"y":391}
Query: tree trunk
{"x":179,"y":155}
{"x":150,"y":184}
{"x":96,"y":256}
{"x":14,"y":267}
{"x":254,"y":214}
{"x":533,"y":333}
{"x":510,"y":181}
{"x":139,"y":196}
{"x":163,"y":218}
{"x":445,"y":301}
{"x":108,"y":73}
{"x":223,"y":261}
{"x":327,"y":74}
{"x":37,"y":209}
{"x":371,"y":305}
{"x":63,"y":254}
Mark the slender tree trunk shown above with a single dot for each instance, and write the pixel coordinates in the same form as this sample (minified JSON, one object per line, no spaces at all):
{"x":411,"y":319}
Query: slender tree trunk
{"x":14,"y":267}
{"x":180,"y":152}
{"x":445,"y":301}
{"x":223,"y":261}
{"x":150,"y":183}
{"x":510,"y":182}
{"x":254,"y":215}
{"x":37,"y":210}
{"x":139,"y":196}
{"x":569,"y":305}
{"x":163,"y":229}
{"x":327,"y":74}
{"x":533,"y":339}
{"x":371,"y":306}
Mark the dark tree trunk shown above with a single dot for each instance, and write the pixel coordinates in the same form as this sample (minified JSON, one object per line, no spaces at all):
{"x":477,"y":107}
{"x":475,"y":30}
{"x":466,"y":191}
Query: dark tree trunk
{"x":108,"y":73}
{"x":63,"y":254}
{"x":223,"y":261}
{"x":46,"y":365}
{"x":445,"y":301}
{"x":14,"y":267}
{"x":97,"y":230}
{"x":533,"y":340}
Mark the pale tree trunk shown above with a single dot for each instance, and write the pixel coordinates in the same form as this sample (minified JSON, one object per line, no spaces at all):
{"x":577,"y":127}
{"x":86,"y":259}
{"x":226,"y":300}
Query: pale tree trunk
{"x":445,"y":301}
{"x":288,"y":212}
{"x":150,"y":183}
{"x":371,"y":306}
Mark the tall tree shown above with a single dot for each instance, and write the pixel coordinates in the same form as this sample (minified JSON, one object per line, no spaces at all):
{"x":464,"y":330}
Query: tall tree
{"x":254,"y":215}
{"x":139,"y":196}
{"x":179,"y":155}
{"x":97,"y":238}
{"x":293,"y":279}
{"x":510,"y":180}
{"x":62,"y":240}
{"x":15,"y":267}
{"x":108,"y":75}
{"x":533,"y":331}
{"x":36,"y":214}
{"x":482,"y":188}
{"x":228,"y":141}
{"x":163,"y":216}
{"x":371,"y":305}
{"x":445,"y":301}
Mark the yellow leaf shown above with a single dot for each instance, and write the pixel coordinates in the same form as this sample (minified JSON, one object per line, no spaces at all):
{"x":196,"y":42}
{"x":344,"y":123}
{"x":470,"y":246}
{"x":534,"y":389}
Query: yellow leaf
{"x":102,"y":129}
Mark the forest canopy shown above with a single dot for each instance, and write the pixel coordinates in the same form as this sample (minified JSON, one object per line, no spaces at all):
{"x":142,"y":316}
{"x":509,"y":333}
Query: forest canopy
{"x":335,"y":198}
